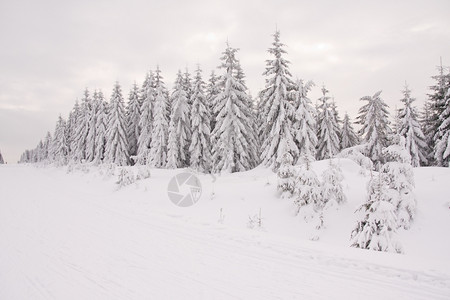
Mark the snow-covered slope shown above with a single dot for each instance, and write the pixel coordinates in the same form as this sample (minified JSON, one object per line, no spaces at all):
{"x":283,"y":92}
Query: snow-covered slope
{"x":75,"y":236}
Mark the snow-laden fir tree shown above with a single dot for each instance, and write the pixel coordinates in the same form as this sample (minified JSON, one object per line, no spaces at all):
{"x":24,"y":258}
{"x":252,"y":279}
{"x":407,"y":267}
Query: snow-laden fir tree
{"x":82,"y":128}
{"x":335,"y":112}
{"x":426,"y":125}
{"x":146,"y":119}
{"x":1,"y":159}
{"x":157,"y":156}
{"x":287,"y":176}
{"x":348,"y":134}
{"x":92,"y":134}
{"x":249,"y":111}
{"x":375,"y":130}
{"x":59,"y":147}
{"x":200,"y":148}
{"x":71,"y":126}
{"x":25,"y":157}
{"x":442,"y":148}
{"x":332,"y":190}
{"x":328,"y":129}
{"x":234,"y":142}
{"x":399,"y":176}
{"x":376,"y":225}
{"x":277,"y":109}
{"x":179,"y":126}
{"x":116,"y":137}
{"x":100,"y":128}
{"x":187,"y":85}
{"x":409,"y":128}
{"x":47,"y":155}
{"x":212,"y":90}
{"x":304,"y":126}
{"x":308,"y":191}
{"x":146,"y":85}
{"x":436,"y":102}
{"x":39,"y":152}
{"x":396,"y":122}
{"x":133,"y":118}
{"x":161,"y":86}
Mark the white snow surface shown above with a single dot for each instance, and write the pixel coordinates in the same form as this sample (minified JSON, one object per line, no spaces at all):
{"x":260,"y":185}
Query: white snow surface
{"x":76,"y":236}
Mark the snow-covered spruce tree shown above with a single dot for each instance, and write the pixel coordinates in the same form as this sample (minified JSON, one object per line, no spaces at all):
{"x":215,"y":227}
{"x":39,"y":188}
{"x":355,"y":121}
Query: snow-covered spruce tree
{"x":25,"y":157}
{"x":409,"y":128}
{"x":304,"y":126}
{"x":335,"y":112}
{"x":399,"y":177}
{"x":277,"y":109}
{"x":59,"y":147}
{"x":200,"y":148}
{"x":442,"y":148}
{"x":332,"y":190}
{"x":82,"y":128}
{"x":436,"y":102}
{"x":161,"y":86}
{"x":348,"y":135}
{"x":249,"y":112}
{"x":308,"y":192}
{"x":426,"y":125}
{"x":179,"y":127}
{"x":100,"y":129}
{"x":133,"y":118}
{"x":376,"y":225}
{"x":234,"y":147}
{"x":375,"y":130}
{"x":157,"y":156}
{"x":116,"y":138}
{"x":39,"y":152}
{"x":92,"y":134}
{"x":1,"y":158}
{"x":328,"y":129}
{"x":212,"y":90}
{"x":71,"y":126}
{"x":47,"y":155}
{"x":146,"y":119}
{"x":286,"y":176}
{"x":186,"y":82}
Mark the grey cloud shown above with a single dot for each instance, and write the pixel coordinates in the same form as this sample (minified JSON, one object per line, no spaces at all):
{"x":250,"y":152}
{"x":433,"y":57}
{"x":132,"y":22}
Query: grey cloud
{"x":52,"y":50}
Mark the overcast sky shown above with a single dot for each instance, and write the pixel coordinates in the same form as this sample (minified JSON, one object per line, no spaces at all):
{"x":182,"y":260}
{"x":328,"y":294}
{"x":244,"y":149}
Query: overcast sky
{"x":50,"y":51}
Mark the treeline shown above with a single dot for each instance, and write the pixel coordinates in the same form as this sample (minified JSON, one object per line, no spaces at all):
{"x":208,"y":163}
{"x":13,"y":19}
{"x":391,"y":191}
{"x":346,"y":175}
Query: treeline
{"x":217,"y":126}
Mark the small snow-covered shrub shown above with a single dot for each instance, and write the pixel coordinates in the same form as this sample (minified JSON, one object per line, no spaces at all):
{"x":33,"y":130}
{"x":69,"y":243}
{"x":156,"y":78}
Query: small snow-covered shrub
{"x":221,"y":216}
{"x":255,"y":221}
{"x":307,"y":189}
{"x":143,"y":172}
{"x":332,"y":190}
{"x":126,"y":177}
{"x":286,"y":176}
{"x":377,"y":222}
{"x":399,"y":176}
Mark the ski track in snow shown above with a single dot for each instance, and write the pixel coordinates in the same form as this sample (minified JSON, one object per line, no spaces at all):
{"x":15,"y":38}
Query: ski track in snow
{"x":64,"y":241}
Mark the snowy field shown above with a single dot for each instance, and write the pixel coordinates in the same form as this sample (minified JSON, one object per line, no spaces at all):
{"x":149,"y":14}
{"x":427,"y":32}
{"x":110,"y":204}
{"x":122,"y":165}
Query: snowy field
{"x":77,"y":236}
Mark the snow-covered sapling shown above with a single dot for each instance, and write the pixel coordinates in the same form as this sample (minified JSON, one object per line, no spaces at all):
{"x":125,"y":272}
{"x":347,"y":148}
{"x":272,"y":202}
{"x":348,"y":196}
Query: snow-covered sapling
{"x":377,"y":224}
{"x":308,"y":196}
{"x":400,"y":180}
{"x":221,"y":216}
{"x":255,"y":221}
{"x":286,"y":176}
{"x":332,"y":191}
{"x":125,"y":178}
{"x":143,"y":172}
